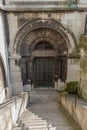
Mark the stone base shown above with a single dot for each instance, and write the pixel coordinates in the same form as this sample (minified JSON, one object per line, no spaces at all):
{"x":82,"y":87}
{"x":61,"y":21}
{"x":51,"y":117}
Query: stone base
{"x":27,"y":87}
{"x":60,"y":86}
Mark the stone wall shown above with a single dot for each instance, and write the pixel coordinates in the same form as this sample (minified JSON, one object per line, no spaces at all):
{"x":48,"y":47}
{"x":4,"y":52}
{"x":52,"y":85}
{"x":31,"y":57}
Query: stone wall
{"x":59,"y":3}
{"x":76,"y":108}
{"x":3,"y":50}
{"x":83,"y":67}
{"x":2,"y":82}
{"x":11,"y":110}
{"x":74,"y":21}
{"x":73,"y":70}
{"x":18,"y":14}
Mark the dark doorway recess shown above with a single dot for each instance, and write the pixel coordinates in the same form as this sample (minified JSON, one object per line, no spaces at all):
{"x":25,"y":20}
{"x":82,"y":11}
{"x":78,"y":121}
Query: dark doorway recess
{"x":44,"y":72}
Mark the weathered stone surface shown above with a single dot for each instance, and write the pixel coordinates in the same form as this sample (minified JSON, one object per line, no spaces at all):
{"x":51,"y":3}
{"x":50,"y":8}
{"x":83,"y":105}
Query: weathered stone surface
{"x":4,"y":53}
{"x":72,"y":24}
{"x":73,"y":70}
{"x":83,"y":42}
{"x":38,"y":30}
{"x":83,"y":67}
{"x":77,"y":108}
{"x":83,"y":74}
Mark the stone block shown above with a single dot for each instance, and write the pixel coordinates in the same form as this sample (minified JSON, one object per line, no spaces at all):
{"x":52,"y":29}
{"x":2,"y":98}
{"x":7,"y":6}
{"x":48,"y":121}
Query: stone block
{"x":59,"y":85}
{"x":17,"y":87}
{"x":73,"y":72}
{"x":15,"y":68}
{"x":27,"y":87}
{"x":15,"y":79}
{"x":15,"y":73}
{"x":16,"y":91}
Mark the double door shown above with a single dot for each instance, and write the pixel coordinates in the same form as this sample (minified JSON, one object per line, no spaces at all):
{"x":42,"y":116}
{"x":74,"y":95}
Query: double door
{"x":44,"y":72}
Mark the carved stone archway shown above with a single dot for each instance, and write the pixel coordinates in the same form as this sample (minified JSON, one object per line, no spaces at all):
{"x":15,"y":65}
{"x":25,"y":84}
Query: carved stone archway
{"x":37,"y":31}
{"x":52,"y":24}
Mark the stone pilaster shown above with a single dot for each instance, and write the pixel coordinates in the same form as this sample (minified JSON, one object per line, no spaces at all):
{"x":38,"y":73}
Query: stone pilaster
{"x":15,"y":70}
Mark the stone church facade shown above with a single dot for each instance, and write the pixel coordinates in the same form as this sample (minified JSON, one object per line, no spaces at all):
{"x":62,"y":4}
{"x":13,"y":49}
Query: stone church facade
{"x":43,"y":43}
{"x":39,"y":44}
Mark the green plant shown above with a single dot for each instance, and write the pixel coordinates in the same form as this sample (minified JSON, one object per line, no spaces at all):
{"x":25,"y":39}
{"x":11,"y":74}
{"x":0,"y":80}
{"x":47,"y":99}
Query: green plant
{"x":72,"y":87}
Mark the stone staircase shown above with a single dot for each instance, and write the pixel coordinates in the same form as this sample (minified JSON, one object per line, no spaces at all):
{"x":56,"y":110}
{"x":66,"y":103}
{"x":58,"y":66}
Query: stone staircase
{"x":45,"y":113}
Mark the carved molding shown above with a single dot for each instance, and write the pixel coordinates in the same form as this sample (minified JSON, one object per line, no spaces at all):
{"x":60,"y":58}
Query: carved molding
{"x":51,"y":24}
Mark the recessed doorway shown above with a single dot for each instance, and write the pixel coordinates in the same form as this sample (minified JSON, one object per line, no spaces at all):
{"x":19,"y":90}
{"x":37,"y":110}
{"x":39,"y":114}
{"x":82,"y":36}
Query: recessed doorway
{"x":44,"y":72}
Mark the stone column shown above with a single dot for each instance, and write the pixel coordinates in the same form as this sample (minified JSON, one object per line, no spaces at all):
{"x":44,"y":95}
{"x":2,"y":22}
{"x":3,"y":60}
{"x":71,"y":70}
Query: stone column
{"x":15,"y":70}
{"x":31,"y":72}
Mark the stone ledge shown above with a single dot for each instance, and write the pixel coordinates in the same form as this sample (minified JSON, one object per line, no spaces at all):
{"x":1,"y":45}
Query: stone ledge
{"x":2,"y":7}
{"x":40,"y":2}
{"x":74,"y":56}
{"x":38,"y":8}
{"x":77,"y":109}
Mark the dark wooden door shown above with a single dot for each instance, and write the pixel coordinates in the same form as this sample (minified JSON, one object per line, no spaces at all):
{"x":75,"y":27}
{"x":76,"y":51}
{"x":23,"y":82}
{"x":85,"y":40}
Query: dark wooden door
{"x":44,"y":72}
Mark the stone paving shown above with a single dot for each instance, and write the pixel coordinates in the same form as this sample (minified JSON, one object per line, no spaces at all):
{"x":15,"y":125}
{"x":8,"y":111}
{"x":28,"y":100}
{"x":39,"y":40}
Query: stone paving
{"x":45,"y":113}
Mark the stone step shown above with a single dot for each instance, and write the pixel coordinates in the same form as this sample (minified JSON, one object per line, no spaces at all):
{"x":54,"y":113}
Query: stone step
{"x":45,"y":114}
{"x":32,"y":120}
{"x":17,"y":128}
{"x":45,"y":129}
{"x":36,"y":127}
{"x":39,"y":129}
{"x":44,"y":122}
{"x":35,"y":123}
{"x":31,"y":117}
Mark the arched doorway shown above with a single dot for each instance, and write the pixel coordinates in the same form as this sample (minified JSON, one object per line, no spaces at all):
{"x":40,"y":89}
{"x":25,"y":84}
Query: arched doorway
{"x":44,"y":58}
{"x":43,"y":66}
{"x":42,"y":47}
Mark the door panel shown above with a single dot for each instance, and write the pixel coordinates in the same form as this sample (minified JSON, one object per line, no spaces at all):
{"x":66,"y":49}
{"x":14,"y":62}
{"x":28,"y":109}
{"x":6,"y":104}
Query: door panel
{"x":43,"y":72}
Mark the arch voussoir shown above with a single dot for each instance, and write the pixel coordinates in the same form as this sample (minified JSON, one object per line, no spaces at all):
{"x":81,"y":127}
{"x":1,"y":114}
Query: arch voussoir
{"x":41,"y":24}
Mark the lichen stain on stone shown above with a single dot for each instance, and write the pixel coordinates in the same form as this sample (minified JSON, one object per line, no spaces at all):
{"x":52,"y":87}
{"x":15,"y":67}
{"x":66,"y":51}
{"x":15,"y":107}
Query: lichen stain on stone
{"x":83,"y":67}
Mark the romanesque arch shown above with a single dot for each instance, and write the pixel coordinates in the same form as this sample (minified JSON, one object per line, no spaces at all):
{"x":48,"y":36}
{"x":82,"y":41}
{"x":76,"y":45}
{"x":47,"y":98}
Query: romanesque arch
{"x":51,"y":24}
{"x":55,"y":41}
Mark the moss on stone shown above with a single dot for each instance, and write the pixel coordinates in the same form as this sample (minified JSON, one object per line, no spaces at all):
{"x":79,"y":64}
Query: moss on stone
{"x":83,"y":42}
{"x":74,"y":56}
{"x":71,"y":3}
{"x":82,"y":90}
{"x":83,"y":65}
{"x":72,"y":87}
